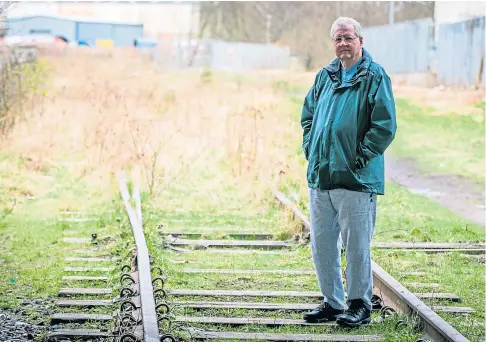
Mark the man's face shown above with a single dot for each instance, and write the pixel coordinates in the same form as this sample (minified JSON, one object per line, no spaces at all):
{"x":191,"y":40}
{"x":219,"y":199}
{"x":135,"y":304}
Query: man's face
{"x":347,"y":45}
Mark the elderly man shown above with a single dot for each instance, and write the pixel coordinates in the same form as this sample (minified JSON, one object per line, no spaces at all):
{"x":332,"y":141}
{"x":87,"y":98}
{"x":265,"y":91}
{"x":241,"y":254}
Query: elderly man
{"x":348,"y":119}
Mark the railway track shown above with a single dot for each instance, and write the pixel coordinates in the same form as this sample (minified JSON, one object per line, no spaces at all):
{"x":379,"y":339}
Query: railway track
{"x":391,"y":297}
{"x":139,"y":307}
{"x":144,"y":309}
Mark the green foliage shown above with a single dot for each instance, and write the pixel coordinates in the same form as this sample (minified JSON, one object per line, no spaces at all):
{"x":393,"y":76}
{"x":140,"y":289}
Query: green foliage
{"x":481,"y":105}
{"x":287,"y":87}
{"x":206,"y":75}
{"x":18,"y":82}
{"x":440,"y":143}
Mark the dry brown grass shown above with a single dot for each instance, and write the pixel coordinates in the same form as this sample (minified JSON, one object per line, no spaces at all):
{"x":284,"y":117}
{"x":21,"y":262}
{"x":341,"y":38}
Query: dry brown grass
{"x":105,"y":112}
{"x":102,"y":114}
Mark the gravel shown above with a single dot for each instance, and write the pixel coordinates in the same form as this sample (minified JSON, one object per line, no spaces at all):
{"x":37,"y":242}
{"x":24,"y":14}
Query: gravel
{"x":13,"y":329}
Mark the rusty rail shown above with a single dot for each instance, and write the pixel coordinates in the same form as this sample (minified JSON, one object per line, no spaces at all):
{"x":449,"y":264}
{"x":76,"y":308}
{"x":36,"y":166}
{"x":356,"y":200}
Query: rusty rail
{"x":395,"y":295}
{"x":147,"y":301}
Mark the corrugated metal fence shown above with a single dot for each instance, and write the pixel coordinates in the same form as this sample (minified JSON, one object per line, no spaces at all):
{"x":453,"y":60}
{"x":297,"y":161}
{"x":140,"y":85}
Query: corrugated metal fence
{"x":402,"y":47}
{"x":456,"y":57}
{"x":460,"y":53}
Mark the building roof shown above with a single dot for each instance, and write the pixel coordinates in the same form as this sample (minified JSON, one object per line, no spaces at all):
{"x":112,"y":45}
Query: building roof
{"x":74,"y":19}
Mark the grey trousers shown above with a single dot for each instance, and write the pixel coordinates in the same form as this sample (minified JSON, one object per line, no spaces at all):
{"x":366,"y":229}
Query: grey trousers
{"x":350,"y":216}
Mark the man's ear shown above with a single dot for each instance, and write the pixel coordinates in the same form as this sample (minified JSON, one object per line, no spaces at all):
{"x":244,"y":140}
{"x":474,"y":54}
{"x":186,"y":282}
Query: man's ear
{"x":361,"y":40}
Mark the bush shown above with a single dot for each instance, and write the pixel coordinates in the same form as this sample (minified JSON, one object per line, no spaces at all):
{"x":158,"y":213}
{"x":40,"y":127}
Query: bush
{"x":20,"y":79}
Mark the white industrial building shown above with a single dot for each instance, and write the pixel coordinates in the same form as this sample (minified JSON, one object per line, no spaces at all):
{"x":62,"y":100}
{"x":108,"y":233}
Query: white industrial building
{"x":163,"y":19}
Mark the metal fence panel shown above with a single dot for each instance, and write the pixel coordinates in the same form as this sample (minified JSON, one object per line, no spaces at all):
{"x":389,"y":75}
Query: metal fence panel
{"x":403,"y":47}
{"x":180,"y":53}
{"x":238,"y":56}
{"x":220,"y":55}
{"x":460,"y":53}
{"x":124,"y":35}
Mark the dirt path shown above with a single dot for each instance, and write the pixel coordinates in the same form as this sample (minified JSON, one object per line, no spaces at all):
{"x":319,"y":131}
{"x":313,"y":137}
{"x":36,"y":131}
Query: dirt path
{"x":457,"y":193}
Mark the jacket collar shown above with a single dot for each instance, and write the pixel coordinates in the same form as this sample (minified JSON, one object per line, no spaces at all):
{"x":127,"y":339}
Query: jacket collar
{"x":334,"y":68}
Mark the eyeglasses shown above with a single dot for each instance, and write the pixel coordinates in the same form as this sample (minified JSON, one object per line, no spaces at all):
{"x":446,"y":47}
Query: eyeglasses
{"x":338,"y":40}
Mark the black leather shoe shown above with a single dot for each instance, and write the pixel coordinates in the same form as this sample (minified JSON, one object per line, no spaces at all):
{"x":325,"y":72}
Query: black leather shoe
{"x":356,"y":315}
{"x":324,"y":312}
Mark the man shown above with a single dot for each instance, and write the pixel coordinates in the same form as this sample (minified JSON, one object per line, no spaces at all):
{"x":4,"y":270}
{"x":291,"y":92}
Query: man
{"x":348,"y":120}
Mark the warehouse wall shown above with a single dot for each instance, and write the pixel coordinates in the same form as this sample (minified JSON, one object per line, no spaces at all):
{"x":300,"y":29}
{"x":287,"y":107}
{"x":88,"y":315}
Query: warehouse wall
{"x":52,"y":26}
{"x":122,"y":35}
{"x":76,"y":31}
{"x":160,"y":19}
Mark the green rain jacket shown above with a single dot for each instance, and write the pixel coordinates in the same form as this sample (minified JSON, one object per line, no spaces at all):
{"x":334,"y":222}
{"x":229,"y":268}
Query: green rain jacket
{"x":348,"y":128}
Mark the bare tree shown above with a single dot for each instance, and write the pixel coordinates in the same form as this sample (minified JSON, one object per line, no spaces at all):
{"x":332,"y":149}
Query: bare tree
{"x":303,"y":26}
{"x":4,"y":6}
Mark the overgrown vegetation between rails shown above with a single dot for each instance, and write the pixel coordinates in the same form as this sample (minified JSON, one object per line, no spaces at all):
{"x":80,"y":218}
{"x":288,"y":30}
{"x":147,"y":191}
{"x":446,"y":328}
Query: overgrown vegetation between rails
{"x":211,"y":147}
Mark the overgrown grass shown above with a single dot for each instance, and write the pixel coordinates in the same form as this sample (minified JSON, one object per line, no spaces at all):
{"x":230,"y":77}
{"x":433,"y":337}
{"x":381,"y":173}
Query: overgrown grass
{"x":32,"y":251}
{"x":445,"y":269}
{"x":402,"y":216}
{"x":210,"y":152}
{"x":298,"y":259}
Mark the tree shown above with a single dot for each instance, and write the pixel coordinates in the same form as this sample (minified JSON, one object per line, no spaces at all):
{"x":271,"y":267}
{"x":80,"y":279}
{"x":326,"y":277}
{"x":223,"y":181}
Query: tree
{"x":303,"y":26}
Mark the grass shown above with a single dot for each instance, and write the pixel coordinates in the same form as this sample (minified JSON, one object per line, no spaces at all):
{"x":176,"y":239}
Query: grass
{"x":211,"y":148}
{"x":442,"y":144}
{"x":402,"y":216}
{"x":445,"y":269}
{"x":439,"y":141}
{"x":481,"y":105}
{"x":405,"y":216}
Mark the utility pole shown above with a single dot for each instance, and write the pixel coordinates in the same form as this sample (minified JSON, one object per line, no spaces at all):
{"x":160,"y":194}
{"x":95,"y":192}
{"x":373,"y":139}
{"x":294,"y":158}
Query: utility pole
{"x":219,"y":19}
{"x":392,"y":12}
{"x":269,"y":23}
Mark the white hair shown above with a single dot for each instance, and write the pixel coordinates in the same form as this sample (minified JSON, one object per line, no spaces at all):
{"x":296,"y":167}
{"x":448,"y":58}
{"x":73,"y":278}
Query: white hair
{"x":344,"y":22}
